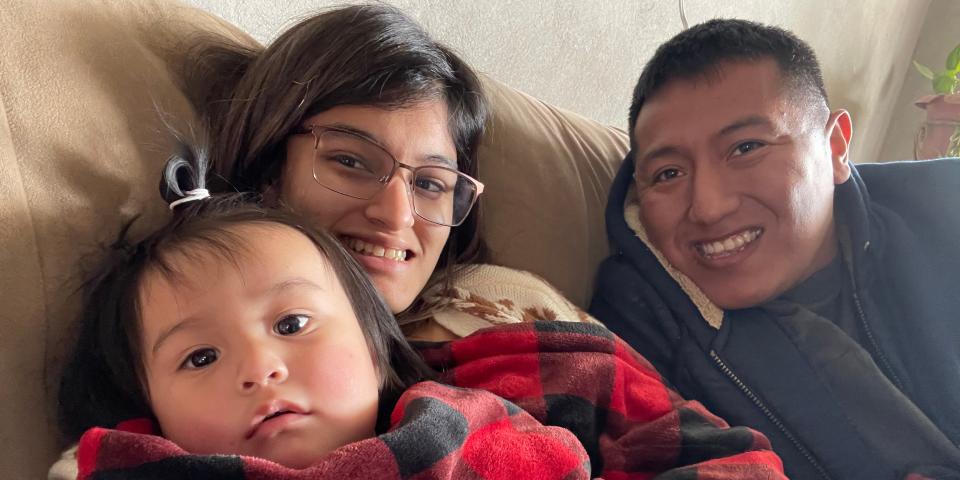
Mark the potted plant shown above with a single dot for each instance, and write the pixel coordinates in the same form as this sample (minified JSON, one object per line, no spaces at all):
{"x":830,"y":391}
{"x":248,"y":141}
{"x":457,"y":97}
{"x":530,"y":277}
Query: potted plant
{"x":940,"y":134}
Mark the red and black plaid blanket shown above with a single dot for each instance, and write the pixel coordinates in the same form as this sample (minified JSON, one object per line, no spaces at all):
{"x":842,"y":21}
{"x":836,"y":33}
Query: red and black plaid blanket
{"x":573,"y":375}
{"x":582,"y":377}
{"x":438,"y":432}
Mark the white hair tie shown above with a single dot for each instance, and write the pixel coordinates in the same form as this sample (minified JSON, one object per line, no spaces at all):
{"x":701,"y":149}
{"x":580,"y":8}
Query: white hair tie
{"x":191,"y":195}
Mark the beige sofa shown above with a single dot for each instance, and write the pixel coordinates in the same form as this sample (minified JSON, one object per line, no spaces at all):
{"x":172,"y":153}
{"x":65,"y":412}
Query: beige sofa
{"x":81,"y":144}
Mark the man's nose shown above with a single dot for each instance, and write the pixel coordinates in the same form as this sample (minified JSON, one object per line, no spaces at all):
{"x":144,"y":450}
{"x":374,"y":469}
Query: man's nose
{"x":392,"y":207}
{"x":712,"y":196}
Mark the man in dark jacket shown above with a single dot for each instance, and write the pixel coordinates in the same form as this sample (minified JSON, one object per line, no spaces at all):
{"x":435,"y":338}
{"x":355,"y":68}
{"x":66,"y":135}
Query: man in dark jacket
{"x":766,"y":276}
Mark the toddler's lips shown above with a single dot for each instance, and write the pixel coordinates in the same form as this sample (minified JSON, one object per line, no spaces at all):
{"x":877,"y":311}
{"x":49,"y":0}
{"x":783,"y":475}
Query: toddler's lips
{"x":273,"y":414}
{"x":275,"y":424}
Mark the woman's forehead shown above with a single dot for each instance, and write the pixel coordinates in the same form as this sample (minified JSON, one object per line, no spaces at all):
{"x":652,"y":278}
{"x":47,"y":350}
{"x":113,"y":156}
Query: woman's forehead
{"x":418,"y":132}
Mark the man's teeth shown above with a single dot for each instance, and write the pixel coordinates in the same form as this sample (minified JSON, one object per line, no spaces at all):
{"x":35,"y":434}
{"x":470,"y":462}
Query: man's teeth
{"x":729,"y":245}
{"x":365,"y":248}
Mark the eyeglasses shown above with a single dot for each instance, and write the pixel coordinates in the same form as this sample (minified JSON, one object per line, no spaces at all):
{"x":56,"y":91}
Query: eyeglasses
{"x":352,"y":165}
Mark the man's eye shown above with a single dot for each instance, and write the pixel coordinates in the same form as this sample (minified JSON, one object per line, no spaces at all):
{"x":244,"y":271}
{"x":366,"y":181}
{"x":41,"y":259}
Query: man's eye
{"x":666,"y":174}
{"x":200,"y":359}
{"x":291,"y":324}
{"x":747,"y":147}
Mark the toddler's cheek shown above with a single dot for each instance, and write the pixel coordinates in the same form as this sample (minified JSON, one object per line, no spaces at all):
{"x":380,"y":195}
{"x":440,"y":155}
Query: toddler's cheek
{"x":201,"y":428}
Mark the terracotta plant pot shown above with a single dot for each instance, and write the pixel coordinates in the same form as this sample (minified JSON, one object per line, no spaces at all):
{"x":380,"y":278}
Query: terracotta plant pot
{"x":940,"y":134}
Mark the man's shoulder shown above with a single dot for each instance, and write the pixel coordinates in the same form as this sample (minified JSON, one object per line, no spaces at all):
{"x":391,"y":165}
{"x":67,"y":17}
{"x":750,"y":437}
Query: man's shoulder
{"x":913,"y":166}
{"x":924,"y":185}
{"x":905,"y":175}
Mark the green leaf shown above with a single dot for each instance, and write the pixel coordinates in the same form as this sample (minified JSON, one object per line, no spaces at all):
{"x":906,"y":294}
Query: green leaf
{"x":953,"y":60}
{"x":945,"y":83}
{"x":924,"y":70}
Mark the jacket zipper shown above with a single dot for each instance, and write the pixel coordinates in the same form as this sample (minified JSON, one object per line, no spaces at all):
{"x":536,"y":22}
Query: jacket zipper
{"x":873,"y":342}
{"x":878,"y":354}
{"x":766,"y":411}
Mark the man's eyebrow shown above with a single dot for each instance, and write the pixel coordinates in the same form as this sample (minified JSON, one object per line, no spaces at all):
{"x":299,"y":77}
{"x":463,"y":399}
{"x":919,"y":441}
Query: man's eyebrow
{"x":668,"y":150}
{"x":441,"y":160}
{"x":664,"y":151}
{"x":751,"y":121}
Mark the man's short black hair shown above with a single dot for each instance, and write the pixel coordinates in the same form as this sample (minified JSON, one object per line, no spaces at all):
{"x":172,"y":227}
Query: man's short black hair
{"x":702,"y":49}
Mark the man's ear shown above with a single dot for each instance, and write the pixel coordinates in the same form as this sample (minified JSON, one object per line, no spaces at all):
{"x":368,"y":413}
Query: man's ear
{"x":839,"y":133}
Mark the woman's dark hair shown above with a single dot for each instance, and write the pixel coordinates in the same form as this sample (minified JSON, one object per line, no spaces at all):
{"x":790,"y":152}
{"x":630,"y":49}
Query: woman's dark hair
{"x":103,"y":382}
{"x":372,"y":55}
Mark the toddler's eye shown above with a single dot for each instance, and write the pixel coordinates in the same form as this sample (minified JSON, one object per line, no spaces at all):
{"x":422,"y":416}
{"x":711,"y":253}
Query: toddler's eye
{"x":291,"y":324}
{"x":200,"y":358}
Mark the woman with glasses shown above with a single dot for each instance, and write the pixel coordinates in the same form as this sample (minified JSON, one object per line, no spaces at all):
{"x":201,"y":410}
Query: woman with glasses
{"x":359,"y":120}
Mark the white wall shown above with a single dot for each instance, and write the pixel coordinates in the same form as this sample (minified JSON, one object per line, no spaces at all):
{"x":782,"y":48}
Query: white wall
{"x":940,"y":33}
{"x":586,"y":55}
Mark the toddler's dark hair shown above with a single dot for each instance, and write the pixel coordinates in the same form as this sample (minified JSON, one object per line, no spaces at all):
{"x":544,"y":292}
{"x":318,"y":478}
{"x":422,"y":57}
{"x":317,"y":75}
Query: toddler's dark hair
{"x":103,"y":381}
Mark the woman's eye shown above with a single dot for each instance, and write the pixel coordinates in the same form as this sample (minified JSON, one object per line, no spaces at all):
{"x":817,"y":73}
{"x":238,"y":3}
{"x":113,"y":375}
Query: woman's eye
{"x":291,"y":324}
{"x":430,"y":185}
{"x":666,"y":174}
{"x":200,"y":359}
{"x":351,"y":161}
{"x":747,"y":147}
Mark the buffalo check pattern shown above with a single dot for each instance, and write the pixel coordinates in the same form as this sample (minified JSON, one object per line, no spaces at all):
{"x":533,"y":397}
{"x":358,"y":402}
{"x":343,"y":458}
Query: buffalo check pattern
{"x":539,"y":400}
{"x":582,"y":377}
{"x":438,"y":432}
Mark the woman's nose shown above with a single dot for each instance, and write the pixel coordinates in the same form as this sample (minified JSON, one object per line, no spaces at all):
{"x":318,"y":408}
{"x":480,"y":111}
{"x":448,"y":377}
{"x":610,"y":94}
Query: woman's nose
{"x":392,"y":207}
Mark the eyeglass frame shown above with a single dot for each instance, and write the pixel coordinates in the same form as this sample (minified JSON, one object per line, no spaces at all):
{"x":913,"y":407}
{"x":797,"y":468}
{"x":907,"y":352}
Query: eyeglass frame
{"x":385,"y":180}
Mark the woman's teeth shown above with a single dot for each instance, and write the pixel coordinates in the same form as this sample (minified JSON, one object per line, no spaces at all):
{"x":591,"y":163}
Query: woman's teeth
{"x":365,"y":248}
{"x":729,"y":245}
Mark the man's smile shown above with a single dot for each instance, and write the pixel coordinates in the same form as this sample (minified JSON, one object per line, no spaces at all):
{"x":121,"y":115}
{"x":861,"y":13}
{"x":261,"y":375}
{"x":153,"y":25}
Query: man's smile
{"x":729,"y":245}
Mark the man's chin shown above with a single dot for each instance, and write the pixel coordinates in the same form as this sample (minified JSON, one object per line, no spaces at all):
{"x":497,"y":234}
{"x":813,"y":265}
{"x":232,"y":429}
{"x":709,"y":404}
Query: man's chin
{"x":736,"y":300}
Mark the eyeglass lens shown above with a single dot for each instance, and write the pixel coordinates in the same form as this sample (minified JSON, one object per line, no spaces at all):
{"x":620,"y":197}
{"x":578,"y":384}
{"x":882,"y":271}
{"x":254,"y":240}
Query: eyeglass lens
{"x":355,"y":167}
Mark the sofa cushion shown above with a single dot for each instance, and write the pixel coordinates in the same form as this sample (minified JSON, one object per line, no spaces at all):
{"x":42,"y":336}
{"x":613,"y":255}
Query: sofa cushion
{"x":82,"y":143}
{"x":547,"y":172}
{"x":81,"y":146}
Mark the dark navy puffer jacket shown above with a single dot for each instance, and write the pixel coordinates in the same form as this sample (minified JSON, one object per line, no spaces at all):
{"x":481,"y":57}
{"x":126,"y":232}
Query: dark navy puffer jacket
{"x":832,"y":408}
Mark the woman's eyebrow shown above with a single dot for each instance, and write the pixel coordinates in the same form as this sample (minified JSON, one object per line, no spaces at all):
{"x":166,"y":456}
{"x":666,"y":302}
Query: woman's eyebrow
{"x":358,"y":132}
{"x":441,"y":160}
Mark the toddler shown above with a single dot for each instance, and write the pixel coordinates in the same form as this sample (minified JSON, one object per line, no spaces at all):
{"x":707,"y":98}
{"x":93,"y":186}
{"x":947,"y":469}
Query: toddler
{"x":238,"y":330}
